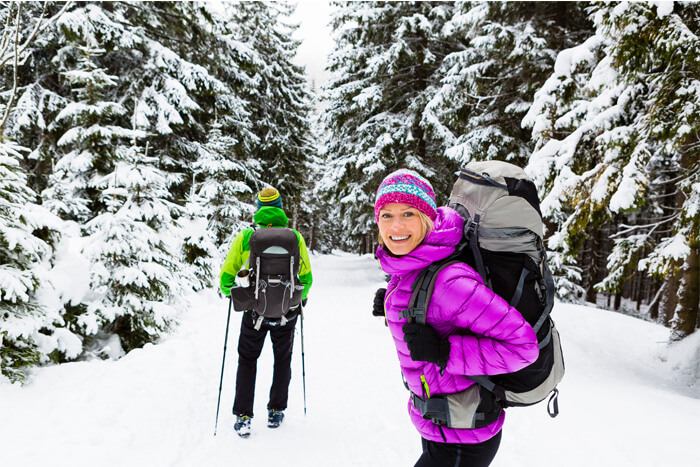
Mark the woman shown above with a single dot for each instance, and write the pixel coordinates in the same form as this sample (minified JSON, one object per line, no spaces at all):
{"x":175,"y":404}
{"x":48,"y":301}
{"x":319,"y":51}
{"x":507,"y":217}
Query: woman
{"x":468,"y":329}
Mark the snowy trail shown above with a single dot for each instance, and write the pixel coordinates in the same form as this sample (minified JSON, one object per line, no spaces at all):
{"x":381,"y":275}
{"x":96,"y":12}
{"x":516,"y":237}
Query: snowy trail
{"x":621,"y":403}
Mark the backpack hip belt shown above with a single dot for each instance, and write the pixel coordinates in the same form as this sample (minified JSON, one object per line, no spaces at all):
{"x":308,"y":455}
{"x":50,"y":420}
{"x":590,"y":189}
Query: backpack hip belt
{"x":472,"y":408}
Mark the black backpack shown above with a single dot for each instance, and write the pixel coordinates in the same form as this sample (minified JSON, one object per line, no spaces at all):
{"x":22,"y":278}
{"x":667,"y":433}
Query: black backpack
{"x":274,"y":267}
{"x":502,"y":241}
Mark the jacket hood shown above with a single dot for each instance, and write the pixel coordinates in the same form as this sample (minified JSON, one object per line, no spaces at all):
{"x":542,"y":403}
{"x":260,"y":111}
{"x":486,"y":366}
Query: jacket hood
{"x":438,"y":244}
{"x":268,"y":216}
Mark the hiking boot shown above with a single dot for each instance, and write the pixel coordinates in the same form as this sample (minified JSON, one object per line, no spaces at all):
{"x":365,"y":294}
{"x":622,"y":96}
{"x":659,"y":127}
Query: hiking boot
{"x":274,"y":418}
{"x":242,"y":425}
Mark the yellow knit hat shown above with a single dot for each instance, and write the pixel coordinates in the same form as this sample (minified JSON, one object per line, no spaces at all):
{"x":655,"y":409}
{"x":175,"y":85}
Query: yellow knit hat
{"x":269,"y":197}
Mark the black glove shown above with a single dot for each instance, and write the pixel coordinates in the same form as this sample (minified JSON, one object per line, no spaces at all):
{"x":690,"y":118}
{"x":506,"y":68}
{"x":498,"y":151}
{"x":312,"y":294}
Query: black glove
{"x":378,"y":307}
{"x":303,"y":302}
{"x":425,"y":345}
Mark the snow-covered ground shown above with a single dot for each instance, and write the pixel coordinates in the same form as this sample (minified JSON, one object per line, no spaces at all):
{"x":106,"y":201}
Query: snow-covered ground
{"x":627,"y":400}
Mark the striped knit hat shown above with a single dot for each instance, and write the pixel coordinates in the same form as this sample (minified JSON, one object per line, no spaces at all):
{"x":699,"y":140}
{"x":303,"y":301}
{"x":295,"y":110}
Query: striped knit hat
{"x":269,"y":197}
{"x":407,"y":187}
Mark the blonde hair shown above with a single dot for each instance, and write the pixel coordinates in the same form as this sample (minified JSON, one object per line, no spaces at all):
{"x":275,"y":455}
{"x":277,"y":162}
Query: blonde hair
{"x":426,"y":224}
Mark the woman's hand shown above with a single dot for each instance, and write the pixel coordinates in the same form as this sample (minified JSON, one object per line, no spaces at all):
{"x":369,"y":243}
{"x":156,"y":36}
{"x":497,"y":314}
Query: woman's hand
{"x":425,"y":345}
{"x":378,"y":306}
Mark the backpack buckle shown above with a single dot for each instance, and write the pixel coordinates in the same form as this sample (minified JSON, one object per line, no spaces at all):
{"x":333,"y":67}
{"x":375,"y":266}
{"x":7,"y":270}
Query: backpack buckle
{"x":416,"y":313}
{"x":470,"y":228}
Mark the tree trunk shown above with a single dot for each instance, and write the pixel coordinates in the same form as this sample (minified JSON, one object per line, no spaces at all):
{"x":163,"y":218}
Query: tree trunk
{"x":686,"y":313}
{"x":669,"y":298}
{"x":654,"y":303}
{"x":589,"y":268}
{"x":637,"y":296}
{"x":313,"y":241}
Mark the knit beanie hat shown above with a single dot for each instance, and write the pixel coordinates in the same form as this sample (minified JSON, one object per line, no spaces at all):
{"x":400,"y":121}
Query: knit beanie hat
{"x":407,"y":187}
{"x":269,"y":197}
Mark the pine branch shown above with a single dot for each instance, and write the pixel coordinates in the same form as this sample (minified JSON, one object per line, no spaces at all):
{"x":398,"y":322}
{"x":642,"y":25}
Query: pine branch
{"x":39,"y":27}
{"x":627,"y":229}
{"x":14,"y":74}
{"x":6,"y":56}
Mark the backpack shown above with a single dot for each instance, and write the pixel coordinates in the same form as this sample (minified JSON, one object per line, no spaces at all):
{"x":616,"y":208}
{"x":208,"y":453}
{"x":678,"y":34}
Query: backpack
{"x":503,"y":242}
{"x":274,"y":267}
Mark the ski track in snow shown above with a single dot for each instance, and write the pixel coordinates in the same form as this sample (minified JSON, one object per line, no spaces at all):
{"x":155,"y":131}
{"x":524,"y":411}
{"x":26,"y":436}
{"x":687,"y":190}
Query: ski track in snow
{"x":620,"y":402}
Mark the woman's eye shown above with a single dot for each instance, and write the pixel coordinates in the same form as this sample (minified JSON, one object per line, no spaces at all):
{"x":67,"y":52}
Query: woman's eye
{"x":408,"y":214}
{"x":385,"y":216}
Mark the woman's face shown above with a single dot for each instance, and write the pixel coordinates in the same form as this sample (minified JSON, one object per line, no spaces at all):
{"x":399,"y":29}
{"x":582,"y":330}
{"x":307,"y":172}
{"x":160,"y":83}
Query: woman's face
{"x":400,"y":228}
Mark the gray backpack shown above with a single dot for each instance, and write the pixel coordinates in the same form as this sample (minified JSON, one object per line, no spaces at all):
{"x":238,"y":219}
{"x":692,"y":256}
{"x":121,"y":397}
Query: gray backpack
{"x":503,"y":242}
{"x":274,"y":267}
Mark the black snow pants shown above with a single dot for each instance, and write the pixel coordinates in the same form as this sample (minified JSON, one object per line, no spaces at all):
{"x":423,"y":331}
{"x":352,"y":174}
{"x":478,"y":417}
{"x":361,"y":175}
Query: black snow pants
{"x":459,"y":455}
{"x":250,"y":344}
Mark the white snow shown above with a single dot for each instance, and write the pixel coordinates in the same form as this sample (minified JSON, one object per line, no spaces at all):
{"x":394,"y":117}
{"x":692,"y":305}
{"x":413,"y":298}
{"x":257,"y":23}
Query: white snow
{"x":626,"y":400}
{"x":664,"y":8}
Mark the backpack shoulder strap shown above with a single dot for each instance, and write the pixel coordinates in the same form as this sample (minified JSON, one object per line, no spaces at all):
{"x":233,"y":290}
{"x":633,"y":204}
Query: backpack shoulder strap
{"x":422,"y":290}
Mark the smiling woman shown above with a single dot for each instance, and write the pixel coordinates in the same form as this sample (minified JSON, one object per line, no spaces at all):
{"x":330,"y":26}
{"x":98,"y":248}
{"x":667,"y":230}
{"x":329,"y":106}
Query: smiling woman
{"x":463,"y":329}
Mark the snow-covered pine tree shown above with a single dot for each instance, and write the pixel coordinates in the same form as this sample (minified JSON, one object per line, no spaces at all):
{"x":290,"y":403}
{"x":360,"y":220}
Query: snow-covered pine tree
{"x":187,"y":75}
{"x":215,"y":209}
{"x":202,"y":62}
{"x":27,"y":235}
{"x":35,"y":101}
{"x":616,"y":109}
{"x":279,"y":98}
{"x":664,"y":43}
{"x":315,"y":214}
{"x":132,"y":248}
{"x":176,"y":59}
{"x":503,"y":53}
{"x":28,"y":232}
{"x":90,"y":132}
{"x":385,"y":57}
{"x":177,"y":69}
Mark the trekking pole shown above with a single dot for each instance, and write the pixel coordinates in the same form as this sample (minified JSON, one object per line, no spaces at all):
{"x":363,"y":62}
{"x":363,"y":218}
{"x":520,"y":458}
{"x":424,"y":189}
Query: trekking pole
{"x":223,"y":361}
{"x":303,"y":366}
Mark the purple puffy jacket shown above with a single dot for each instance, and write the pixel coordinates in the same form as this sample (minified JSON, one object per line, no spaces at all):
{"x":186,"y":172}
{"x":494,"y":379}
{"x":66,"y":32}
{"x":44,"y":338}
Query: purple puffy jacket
{"x":498,"y":339}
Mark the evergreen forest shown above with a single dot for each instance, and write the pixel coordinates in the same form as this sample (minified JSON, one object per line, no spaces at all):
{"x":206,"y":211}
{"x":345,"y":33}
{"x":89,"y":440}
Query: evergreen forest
{"x":135,"y":135}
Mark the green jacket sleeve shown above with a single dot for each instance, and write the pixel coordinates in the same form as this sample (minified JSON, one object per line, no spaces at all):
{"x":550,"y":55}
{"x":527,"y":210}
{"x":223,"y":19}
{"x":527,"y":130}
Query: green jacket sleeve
{"x":235,"y":259}
{"x":305,"y":276}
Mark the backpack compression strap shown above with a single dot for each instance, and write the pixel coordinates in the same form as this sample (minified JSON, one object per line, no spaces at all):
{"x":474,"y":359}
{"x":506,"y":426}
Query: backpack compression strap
{"x":471,"y":232}
{"x":549,"y":304}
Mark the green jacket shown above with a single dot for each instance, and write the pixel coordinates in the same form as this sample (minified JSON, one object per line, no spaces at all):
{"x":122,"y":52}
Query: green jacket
{"x":237,"y":256}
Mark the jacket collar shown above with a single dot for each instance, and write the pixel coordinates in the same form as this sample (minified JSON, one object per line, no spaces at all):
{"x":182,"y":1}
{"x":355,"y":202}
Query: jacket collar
{"x":438,"y":244}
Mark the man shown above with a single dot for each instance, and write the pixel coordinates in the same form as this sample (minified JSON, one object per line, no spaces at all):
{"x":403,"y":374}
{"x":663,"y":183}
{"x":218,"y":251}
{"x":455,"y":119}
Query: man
{"x":252,"y":338}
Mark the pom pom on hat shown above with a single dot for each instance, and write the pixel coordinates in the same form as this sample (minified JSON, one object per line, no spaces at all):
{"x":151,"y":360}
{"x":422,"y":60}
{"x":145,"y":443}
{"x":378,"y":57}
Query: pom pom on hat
{"x":269,"y":197}
{"x":407,"y":187}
